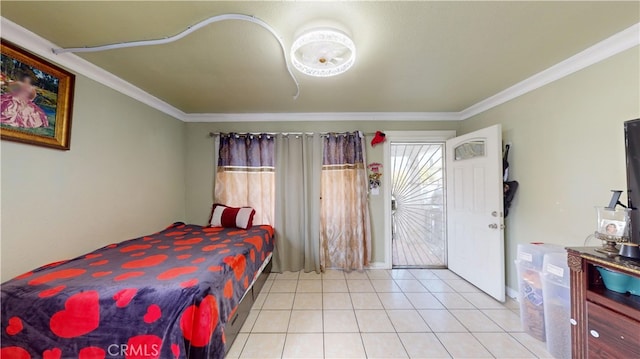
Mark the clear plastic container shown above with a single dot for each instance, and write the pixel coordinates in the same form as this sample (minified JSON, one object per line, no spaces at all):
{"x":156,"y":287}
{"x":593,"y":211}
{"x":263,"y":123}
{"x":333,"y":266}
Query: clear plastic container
{"x":530,"y":291}
{"x":557,"y":304}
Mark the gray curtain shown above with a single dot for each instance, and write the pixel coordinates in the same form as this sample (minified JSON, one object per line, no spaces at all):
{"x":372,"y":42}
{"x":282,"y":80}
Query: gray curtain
{"x":297,"y":205}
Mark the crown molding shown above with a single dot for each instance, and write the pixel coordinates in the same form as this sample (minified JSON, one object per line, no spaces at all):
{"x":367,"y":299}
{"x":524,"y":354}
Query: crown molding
{"x":44,"y":48}
{"x":611,"y":46}
{"x":322,"y":116}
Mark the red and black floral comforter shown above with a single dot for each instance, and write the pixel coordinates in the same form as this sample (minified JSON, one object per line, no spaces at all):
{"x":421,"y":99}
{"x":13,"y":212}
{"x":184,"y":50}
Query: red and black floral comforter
{"x":167,"y":295}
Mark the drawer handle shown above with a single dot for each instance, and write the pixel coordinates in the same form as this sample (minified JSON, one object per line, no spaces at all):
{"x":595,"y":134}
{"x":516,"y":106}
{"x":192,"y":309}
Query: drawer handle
{"x":573,"y":321}
{"x":594,"y":333}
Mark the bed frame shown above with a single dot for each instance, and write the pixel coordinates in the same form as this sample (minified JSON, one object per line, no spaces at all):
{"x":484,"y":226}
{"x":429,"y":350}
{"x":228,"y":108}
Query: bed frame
{"x":244,"y":307}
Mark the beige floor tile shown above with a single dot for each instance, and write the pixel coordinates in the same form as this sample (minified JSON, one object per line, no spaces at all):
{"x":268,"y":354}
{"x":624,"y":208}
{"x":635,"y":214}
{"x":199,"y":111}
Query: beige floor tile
{"x":272,"y":276}
{"x":436,"y":285}
{"x":310,"y":276}
{"x":401,"y":274}
{"x":360,"y":286}
{"x":343,"y":345}
{"x":336,"y":301}
{"x":374,"y":321}
{"x":257,"y":305}
{"x":305,"y":321}
{"x":483,"y":301}
{"x":237,"y":346}
{"x":309,"y":286}
{"x":366,"y":301}
{"x":279,"y":301}
{"x":423,"y":274}
{"x":263,"y":346}
{"x":411,"y":286}
{"x":423,"y":346}
{"x":512,"y":303}
{"x":356,"y":275}
{"x":333,"y":274}
{"x":340,"y":321}
{"x":461,"y":286}
{"x":395,"y":301}
{"x":385,"y":285}
{"x":250,"y":321}
{"x":440,"y":320}
{"x":533,"y":345}
{"x":454,"y":300}
{"x":284,"y":286}
{"x":407,"y":321}
{"x":505,"y":318}
{"x":334,"y":286}
{"x":272,"y":321}
{"x":383,"y":345}
{"x":267,"y":285}
{"x":445,"y":274}
{"x":378,"y":274}
{"x":424,"y":301}
{"x":288,"y":276}
{"x":463,"y":345}
{"x":305,"y":346}
{"x":502,"y":345}
{"x":475,"y":321}
{"x":307,"y":301}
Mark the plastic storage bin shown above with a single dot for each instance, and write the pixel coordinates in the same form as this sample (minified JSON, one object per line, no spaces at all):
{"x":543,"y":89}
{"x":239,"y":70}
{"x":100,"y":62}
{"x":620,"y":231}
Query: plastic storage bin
{"x":530,"y":293}
{"x":557,"y":304}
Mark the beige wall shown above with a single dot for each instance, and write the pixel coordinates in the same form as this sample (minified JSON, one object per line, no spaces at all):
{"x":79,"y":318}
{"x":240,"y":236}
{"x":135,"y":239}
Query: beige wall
{"x":567,"y":153}
{"x":122,"y":178}
{"x":200,"y":149}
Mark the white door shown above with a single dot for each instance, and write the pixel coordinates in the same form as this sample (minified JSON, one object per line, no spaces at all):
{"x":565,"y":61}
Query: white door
{"x":475,"y":236}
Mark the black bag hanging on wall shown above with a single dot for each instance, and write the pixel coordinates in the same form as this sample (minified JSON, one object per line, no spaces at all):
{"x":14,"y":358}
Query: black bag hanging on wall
{"x":510,"y":187}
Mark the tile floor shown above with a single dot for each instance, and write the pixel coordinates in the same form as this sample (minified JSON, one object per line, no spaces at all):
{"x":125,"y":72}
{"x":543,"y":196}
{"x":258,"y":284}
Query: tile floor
{"x":414,"y":313}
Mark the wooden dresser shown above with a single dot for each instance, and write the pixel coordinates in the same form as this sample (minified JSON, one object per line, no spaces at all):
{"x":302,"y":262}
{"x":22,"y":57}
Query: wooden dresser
{"x":605,"y":324}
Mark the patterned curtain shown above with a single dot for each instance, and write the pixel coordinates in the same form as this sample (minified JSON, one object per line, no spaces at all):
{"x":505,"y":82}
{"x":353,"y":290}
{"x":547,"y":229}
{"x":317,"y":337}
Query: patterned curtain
{"x":345,"y":229}
{"x":245,"y":174}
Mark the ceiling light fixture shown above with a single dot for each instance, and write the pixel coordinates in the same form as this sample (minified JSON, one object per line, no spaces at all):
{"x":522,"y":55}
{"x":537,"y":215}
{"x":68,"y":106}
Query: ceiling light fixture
{"x":323,"y":52}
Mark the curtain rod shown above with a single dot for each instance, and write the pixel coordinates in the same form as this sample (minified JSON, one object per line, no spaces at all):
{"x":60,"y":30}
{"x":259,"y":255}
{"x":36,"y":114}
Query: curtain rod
{"x":213,"y":134}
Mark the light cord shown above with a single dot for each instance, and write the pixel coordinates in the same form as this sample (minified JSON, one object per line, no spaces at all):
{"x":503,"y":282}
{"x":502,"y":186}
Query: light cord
{"x":186,"y":32}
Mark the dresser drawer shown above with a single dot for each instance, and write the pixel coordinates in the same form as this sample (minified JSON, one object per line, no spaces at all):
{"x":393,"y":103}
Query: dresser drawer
{"x":611,"y":335}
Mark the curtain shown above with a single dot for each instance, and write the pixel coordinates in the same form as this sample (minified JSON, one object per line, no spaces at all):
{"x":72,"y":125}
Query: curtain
{"x":345,"y":229}
{"x":297,"y":218}
{"x":245,"y":174}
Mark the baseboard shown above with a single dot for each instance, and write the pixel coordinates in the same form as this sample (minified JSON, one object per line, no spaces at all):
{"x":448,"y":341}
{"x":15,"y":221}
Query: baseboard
{"x":377,"y":265}
{"x":512,"y":293}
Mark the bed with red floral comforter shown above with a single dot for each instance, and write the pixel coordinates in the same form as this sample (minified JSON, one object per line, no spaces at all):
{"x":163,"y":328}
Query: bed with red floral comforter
{"x":166,"y":295}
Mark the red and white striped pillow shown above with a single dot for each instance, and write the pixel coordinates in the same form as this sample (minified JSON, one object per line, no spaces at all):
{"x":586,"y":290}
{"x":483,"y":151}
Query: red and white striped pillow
{"x":224,"y":216}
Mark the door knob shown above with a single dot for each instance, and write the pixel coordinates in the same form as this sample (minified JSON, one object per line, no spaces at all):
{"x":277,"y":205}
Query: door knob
{"x":493,"y":226}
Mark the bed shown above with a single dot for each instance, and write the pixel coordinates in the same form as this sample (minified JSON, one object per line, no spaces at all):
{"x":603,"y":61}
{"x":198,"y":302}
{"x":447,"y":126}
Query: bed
{"x":180,"y":293}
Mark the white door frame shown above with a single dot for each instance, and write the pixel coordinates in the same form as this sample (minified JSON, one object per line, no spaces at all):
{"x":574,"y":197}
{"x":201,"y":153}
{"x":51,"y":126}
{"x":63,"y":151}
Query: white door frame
{"x":397,"y":136}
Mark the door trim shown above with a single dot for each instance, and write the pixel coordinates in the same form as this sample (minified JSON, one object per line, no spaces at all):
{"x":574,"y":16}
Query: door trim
{"x":405,"y":136}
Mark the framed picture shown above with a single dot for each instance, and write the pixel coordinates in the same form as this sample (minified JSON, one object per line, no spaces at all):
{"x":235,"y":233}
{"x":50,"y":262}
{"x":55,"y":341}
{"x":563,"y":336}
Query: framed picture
{"x":612,"y":228}
{"x":36,"y":99}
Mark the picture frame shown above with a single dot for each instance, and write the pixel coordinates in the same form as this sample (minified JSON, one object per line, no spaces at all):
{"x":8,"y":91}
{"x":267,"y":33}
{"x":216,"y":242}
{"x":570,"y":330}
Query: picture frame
{"x":612,"y":228}
{"x":36,"y":99}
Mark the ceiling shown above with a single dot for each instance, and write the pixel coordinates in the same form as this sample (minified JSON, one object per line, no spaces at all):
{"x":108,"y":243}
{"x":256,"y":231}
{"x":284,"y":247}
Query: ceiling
{"x":422,"y":56}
